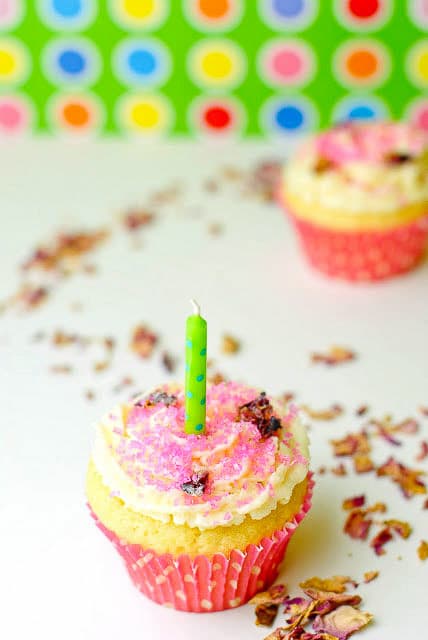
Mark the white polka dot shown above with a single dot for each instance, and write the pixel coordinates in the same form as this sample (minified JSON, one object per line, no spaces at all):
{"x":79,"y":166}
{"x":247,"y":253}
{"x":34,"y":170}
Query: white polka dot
{"x":255,"y":571}
{"x":235,"y":602}
{"x":206,"y":604}
{"x":233,"y":583}
{"x":160,"y":579}
{"x":236,"y":565}
{"x":188,"y":578}
{"x":216,"y":566}
{"x":180,"y":594}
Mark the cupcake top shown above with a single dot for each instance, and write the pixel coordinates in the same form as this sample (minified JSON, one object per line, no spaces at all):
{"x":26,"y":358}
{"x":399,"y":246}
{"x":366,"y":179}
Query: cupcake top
{"x":361,"y":167}
{"x":253,"y":453}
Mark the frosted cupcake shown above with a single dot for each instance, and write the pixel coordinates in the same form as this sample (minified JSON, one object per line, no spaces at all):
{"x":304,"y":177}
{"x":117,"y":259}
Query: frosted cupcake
{"x":201,"y":521}
{"x":358,"y":198}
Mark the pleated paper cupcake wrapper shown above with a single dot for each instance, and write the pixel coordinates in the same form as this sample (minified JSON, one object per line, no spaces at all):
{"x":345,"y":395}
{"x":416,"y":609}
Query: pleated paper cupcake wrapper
{"x":363,"y":256}
{"x":204,"y":584}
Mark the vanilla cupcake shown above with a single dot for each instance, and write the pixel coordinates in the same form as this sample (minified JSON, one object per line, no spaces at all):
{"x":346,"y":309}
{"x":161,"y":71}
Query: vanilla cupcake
{"x":201,"y":521}
{"x":358,"y":198}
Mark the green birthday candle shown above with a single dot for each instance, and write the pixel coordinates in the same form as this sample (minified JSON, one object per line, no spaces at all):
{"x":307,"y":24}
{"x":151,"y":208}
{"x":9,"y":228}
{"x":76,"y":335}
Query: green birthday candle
{"x":196,"y":371}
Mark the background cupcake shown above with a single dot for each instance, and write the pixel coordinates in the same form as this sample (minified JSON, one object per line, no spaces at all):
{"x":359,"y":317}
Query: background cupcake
{"x":201,"y":521}
{"x":358,"y":197}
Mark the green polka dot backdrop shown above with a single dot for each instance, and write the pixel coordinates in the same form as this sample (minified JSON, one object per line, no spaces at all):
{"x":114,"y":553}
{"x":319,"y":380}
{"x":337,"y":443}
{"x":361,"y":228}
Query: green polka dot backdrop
{"x":209,"y":67}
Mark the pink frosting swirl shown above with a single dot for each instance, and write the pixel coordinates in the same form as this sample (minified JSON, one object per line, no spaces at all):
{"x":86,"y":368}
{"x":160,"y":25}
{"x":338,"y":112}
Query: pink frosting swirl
{"x":154,"y":451}
{"x":370,"y":142}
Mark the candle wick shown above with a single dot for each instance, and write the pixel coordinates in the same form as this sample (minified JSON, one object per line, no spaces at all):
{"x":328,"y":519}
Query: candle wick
{"x":196,"y":307}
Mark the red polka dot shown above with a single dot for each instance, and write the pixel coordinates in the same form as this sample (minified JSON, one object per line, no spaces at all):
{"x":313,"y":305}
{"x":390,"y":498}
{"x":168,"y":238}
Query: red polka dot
{"x":364,"y":9}
{"x":217,"y":117}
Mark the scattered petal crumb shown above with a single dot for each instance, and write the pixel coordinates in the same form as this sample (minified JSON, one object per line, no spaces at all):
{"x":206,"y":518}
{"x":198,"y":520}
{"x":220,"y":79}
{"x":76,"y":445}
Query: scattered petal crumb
{"x":324,"y":414}
{"x":101,"y":365}
{"x":361,"y":410}
{"x":423,"y":550}
{"x":380,"y":540}
{"x":143,"y":341}
{"x":403,"y":529}
{"x":424,"y":411}
{"x":216,"y":378}
{"x":353,"y":443}
{"x":339,"y":470}
{"x":168,"y":362}
{"x":369,"y":576}
{"x":334,"y":356}
{"x":358,"y":524}
{"x":353,"y":503}
{"x":423,"y":451}
{"x":215,"y":229}
{"x":136,"y":218}
{"x":30,"y":297}
{"x":61,"y":368}
{"x":425,"y":504}
{"x":363,"y":463}
{"x":125,"y":382}
{"x":265,"y":178}
{"x":89,"y":394}
{"x":229,"y":344}
{"x":210,"y":185}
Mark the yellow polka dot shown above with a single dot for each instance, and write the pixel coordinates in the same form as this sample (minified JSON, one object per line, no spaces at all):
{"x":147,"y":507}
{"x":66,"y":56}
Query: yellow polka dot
{"x":145,"y":115}
{"x":7,"y":63}
{"x":217,"y":65}
{"x":422,"y":65}
{"x":139,"y":9}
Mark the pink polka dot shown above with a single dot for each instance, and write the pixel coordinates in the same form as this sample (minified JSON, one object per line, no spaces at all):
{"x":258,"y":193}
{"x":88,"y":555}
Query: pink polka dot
{"x":287,"y":63}
{"x":422,"y":118}
{"x":13,"y":116}
{"x":9,"y":11}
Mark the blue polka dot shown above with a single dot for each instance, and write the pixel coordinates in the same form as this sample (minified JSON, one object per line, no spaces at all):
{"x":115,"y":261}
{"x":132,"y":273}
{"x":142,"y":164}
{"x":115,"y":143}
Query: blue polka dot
{"x":67,"y":8}
{"x":200,"y":377}
{"x":362,"y":112}
{"x":203,"y":401}
{"x":142,"y":62}
{"x":288,"y":8}
{"x":199,"y":427}
{"x":72,"y":62}
{"x":203,"y":352}
{"x":189,"y":394}
{"x":289,"y":117}
{"x":189,"y":344}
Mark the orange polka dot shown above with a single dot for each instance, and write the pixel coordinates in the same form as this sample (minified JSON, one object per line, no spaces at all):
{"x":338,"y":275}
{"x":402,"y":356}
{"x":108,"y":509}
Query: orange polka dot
{"x":362,"y":64}
{"x":214,"y":9}
{"x":76,"y":114}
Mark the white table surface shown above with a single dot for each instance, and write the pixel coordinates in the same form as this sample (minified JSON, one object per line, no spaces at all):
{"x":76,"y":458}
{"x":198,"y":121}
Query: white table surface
{"x":59,"y":577}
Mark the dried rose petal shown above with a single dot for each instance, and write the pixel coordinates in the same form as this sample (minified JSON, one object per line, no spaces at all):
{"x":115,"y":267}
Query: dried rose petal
{"x":408,"y":479}
{"x":217,"y":378}
{"x":196,"y":485}
{"x":260,"y":412}
{"x":363,"y":463}
{"x":264,"y":179}
{"x":342,"y":622}
{"x":423,"y":453}
{"x":168,"y":362}
{"x":267,"y":604}
{"x":137,"y":218}
{"x":424,"y":411}
{"x":380,"y":540}
{"x":157,"y":397}
{"x":353,"y":503}
{"x":61,"y":368}
{"x":369,"y":576}
{"x":324,"y":414}
{"x":425,"y":504}
{"x":351,"y":444}
{"x":403,"y":529}
{"x":357,"y":525}
{"x":361,"y":410}
{"x":143,"y":341}
{"x":423,"y":550}
{"x":295,"y":608}
{"x":322,"y":165}
{"x":30,"y":297}
{"x":377,"y":507}
{"x":340,"y":470}
{"x":336,"y":584}
{"x":328,"y":600}
{"x":229,"y":344}
{"x":334,"y":356}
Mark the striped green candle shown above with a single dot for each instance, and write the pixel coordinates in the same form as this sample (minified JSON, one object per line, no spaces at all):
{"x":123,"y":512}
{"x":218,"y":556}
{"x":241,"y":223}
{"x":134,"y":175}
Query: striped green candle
{"x":196,"y":371}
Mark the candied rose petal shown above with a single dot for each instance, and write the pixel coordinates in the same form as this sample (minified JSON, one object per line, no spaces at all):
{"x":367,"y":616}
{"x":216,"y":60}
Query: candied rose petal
{"x":353,"y":503}
{"x":357,"y":525}
{"x":260,"y":412}
{"x":423,"y":451}
{"x":295,"y":607}
{"x":342,"y":622}
{"x":380,"y":540}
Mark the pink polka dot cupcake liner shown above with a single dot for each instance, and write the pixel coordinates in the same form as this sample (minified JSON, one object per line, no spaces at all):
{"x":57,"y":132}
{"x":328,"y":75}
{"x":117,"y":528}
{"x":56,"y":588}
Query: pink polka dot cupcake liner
{"x":203,"y":584}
